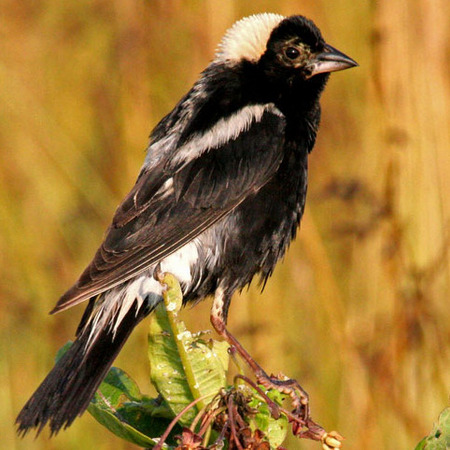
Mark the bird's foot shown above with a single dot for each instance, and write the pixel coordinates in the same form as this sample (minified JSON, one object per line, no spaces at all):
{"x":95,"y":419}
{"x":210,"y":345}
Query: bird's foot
{"x":288,"y":386}
{"x":302,"y":424}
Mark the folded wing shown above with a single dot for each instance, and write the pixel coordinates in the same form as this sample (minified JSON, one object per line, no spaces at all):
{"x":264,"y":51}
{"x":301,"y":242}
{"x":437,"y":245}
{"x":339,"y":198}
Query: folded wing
{"x":179,"y":199}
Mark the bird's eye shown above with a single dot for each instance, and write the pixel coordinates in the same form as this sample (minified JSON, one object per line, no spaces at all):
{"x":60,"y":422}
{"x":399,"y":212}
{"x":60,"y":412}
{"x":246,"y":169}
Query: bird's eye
{"x":292,"y":53}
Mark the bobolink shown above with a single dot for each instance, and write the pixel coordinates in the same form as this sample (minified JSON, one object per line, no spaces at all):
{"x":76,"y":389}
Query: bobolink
{"x":218,"y":200}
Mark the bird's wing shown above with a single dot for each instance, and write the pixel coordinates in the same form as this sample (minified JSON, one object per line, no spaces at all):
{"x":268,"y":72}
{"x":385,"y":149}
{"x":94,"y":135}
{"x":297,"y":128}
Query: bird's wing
{"x":179,"y":199}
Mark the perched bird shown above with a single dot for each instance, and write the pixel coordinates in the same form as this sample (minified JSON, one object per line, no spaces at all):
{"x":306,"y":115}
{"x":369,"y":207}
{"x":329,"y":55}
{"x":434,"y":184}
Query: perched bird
{"x":217,"y":201}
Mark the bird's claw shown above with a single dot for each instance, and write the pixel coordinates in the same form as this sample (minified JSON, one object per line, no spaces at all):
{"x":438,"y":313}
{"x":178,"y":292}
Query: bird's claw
{"x":289,"y":386}
{"x":302,"y":424}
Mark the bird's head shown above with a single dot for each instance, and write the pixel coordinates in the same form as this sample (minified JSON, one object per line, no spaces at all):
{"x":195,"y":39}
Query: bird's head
{"x":289,"y":51}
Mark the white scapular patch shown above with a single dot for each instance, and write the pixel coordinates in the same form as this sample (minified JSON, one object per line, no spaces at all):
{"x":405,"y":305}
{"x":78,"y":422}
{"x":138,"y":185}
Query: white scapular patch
{"x":247,"y":38}
{"x":223,"y":131}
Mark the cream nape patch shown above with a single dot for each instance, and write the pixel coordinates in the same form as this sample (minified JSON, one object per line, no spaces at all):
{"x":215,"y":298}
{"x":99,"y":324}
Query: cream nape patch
{"x":247,"y":38}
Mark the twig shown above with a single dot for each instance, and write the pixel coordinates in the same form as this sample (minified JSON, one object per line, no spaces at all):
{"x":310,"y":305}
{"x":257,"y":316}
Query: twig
{"x":166,"y":433}
{"x":209,"y":418}
{"x":231,"y":422}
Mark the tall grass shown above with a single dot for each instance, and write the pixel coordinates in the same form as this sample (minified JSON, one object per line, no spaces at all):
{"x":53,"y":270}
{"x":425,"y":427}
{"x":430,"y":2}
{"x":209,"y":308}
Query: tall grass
{"x":358,"y":311}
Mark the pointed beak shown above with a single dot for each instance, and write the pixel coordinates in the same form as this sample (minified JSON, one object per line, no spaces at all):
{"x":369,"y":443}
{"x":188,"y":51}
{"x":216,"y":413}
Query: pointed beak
{"x":330,"y":60}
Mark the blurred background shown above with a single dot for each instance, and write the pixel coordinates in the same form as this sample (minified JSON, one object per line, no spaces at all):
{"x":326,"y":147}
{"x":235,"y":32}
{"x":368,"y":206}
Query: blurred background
{"x":358,"y":311}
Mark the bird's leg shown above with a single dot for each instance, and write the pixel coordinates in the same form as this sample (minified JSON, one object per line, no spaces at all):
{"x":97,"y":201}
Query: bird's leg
{"x":219,"y":313}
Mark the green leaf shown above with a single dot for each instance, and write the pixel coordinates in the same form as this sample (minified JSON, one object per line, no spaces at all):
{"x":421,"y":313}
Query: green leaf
{"x":119,"y":406}
{"x":439,"y":438}
{"x":275,"y":430}
{"x":184,"y":367}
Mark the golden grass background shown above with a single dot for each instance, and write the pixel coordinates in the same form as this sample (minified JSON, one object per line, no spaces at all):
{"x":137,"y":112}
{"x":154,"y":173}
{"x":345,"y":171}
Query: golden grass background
{"x":359,"y":309}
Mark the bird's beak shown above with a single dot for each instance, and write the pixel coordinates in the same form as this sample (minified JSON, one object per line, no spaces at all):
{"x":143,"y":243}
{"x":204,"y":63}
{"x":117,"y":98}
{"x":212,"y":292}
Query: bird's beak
{"x":330,"y":60}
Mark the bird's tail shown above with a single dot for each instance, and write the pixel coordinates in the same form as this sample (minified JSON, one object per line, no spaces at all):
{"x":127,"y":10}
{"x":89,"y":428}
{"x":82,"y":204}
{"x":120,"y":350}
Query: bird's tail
{"x":67,"y":390}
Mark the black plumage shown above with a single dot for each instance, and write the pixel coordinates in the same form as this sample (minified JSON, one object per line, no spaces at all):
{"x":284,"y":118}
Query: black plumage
{"x":218,"y":200}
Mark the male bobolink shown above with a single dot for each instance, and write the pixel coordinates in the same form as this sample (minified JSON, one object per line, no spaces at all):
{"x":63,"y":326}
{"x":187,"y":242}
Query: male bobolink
{"x":218,"y":200}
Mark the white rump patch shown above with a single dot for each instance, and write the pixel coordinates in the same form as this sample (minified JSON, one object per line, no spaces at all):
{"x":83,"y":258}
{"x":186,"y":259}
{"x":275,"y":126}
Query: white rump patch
{"x":247,"y":38}
{"x":179,"y":263}
{"x":223,"y":131}
{"x":113,"y":305}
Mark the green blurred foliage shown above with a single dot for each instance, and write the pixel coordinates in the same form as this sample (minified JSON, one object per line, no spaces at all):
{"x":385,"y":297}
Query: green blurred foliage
{"x":439,"y":437}
{"x":364,"y":323}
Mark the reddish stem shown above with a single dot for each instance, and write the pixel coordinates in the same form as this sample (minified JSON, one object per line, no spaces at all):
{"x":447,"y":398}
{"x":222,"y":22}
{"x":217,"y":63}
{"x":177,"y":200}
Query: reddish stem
{"x":166,"y":433}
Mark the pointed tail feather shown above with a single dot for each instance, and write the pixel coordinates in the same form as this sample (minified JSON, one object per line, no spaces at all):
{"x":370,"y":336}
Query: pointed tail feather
{"x":67,"y":390}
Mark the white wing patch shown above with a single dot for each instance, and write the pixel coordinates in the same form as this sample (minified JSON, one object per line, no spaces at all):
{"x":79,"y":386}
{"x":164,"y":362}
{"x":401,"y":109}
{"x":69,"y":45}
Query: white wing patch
{"x":223,"y":131}
{"x":247,"y":38}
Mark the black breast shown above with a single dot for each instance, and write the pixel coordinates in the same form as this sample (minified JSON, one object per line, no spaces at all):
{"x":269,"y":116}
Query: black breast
{"x":251,"y":239}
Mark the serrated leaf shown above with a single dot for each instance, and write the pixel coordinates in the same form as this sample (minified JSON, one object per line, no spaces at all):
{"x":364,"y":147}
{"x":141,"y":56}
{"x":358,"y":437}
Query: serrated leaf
{"x":183,"y":367}
{"x":439,"y":438}
{"x":119,"y":406}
